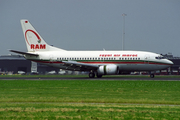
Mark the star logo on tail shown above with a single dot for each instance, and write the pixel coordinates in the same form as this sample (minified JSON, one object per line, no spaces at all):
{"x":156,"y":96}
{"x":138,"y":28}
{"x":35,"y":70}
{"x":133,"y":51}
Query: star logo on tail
{"x":39,"y":41}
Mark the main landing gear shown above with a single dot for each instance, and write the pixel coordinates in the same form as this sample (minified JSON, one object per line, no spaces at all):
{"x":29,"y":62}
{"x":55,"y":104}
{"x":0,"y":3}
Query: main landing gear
{"x":92,"y":75}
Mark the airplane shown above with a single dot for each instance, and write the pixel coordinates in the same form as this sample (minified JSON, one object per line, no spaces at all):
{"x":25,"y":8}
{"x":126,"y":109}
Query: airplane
{"x":97,"y":63}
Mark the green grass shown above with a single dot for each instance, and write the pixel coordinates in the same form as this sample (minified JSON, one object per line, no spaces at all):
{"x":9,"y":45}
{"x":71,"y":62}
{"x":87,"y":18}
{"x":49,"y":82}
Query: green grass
{"x":89,"y":99}
{"x":152,"y":92}
{"x":88,"y":111}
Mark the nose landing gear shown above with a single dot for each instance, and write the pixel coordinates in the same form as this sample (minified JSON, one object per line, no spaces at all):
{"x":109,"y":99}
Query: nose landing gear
{"x":152,"y":75}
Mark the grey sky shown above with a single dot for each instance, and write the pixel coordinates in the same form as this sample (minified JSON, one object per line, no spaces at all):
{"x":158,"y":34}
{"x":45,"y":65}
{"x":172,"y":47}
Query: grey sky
{"x":151,"y":25}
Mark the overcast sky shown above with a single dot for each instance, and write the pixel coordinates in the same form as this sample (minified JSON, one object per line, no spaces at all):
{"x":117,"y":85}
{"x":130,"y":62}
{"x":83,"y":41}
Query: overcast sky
{"x":150,"y":25}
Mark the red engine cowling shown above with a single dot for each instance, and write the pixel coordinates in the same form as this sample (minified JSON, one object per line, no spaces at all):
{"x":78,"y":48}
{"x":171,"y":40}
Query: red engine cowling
{"x":108,"y":70}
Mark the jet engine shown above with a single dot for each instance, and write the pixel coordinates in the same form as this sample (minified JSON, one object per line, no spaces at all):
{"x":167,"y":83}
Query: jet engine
{"x":108,"y":69}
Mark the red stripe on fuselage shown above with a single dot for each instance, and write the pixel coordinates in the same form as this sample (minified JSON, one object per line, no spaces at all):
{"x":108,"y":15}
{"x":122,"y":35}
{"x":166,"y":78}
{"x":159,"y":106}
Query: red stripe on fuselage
{"x":60,"y":62}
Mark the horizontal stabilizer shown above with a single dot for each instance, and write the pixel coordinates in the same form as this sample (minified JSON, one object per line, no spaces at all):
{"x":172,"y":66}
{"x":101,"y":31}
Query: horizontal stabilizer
{"x":23,"y":53}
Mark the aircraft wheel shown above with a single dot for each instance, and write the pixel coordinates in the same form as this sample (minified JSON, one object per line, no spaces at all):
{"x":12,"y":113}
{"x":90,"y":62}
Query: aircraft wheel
{"x":98,"y":76}
{"x":91,"y":75}
{"x":152,"y":75}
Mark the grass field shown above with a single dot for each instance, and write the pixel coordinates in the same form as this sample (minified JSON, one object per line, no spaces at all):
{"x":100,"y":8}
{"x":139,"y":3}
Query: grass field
{"x":89,"y":99}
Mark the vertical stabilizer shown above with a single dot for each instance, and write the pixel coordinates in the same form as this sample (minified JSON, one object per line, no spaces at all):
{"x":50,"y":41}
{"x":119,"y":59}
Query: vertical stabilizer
{"x":34,"y":41}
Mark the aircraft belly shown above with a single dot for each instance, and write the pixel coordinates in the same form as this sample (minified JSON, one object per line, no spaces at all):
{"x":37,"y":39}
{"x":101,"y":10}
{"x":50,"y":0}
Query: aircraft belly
{"x":141,"y":67}
{"x":122,"y":67}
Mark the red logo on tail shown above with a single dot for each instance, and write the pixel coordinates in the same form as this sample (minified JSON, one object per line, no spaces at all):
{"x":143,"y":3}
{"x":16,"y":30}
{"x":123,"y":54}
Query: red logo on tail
{"x":35,"y":46}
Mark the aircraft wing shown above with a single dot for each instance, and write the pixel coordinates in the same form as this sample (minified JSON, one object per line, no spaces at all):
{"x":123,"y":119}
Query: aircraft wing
{"x":79,"y":66}
{"x":23,"y":53}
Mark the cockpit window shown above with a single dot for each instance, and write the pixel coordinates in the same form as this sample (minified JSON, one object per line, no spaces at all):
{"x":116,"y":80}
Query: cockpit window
{"x":160,"y":57}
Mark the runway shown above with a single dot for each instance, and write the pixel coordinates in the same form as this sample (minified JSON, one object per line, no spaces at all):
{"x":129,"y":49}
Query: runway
{"x":87,"y":78}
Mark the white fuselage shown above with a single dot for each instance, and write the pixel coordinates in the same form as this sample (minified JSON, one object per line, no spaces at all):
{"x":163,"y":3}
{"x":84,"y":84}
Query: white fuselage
{"x":125,"y":60}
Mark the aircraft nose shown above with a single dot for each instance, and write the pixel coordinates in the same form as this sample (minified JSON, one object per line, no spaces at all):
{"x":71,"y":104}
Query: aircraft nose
{"x":170,"y":62}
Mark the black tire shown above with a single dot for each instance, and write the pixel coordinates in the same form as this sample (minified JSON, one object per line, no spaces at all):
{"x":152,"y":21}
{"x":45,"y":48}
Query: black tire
{"x":152,"y":75}
{"x":91,"y":75}
{"x":99,"y":76}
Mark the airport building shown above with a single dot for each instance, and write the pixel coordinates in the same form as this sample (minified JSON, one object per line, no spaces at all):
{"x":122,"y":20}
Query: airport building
{"x":11,"y":64}
{"x":174,"y":69}
{"x":17,"y":64}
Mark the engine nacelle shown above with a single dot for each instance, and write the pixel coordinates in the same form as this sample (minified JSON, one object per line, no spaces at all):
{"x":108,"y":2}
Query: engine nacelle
{"x":108,"y":70}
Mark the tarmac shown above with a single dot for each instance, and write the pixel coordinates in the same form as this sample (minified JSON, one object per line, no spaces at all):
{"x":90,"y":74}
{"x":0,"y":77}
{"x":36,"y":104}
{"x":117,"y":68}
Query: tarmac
{"x":87,"y":78}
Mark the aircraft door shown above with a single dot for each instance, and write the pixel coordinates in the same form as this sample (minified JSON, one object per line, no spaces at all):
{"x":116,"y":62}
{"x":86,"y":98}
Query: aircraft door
{"x":146,"y":59}
{"x":51,"y":58}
